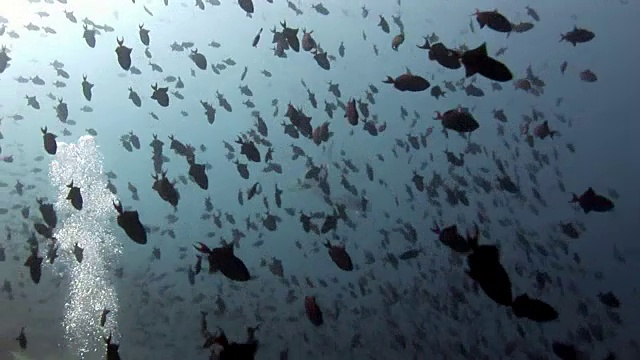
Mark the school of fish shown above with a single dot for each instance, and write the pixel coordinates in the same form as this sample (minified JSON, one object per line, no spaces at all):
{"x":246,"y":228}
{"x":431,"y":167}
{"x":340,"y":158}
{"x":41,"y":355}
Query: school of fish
{"x":350,"y":212}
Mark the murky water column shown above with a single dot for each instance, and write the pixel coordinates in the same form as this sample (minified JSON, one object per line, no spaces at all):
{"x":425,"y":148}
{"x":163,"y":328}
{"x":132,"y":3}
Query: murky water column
{"x":91,"y":288}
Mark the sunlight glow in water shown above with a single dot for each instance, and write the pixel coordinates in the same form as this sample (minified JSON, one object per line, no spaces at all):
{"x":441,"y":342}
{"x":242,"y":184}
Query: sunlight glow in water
{"x":91,"y":288}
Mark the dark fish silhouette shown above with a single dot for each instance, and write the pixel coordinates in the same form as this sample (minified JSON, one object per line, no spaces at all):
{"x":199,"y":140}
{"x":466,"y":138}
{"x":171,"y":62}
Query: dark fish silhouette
{"x":112,"y":348}
{"x":124,"y":55}
{"x":321,"y":59}
{"x":458,"y":120}
{"x":144,"y":35}
{"x":89,"y":36}
{"x":485,"y":268}
{"x":224,"y":260}
{"x":237,"y":351}
{"x":442,"y":55}
{"x":78,"y":252}
{"x":477,"y":61}
{"x":103,"y":316}
{"x":408,"y":82}
{"x":48,"y":213}
{"x":450,"y":237}
{"x":311,"y":308}
{"x":160,"y":95}
{"x":198,"y":59}
{"x":591,"y":201}
{"x":4,"y":59}
{"x":22,"y":339}
{"x":130,"y":223}
{"x":75,"y":196}
{"x":34,"y":262}
{"x":609,"y":299}
{"x":198,"y":173}
{"x":249,"y":149}
{"x":247,"y":6}
{"x":339,"y":256}
{"x":533,"y":309}
{"x":493,"y":20}
{"x":50,"y":144}
{"x":577,"y":36}
{"x":564,"y":351}
{"x":256,"y":39}
{"x":166,"y":189}
{"x":87,"y":88}
{"x":43,"y":230}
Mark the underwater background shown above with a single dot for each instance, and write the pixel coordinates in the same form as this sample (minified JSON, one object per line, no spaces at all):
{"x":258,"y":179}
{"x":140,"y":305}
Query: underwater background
{"x":408,"y":295}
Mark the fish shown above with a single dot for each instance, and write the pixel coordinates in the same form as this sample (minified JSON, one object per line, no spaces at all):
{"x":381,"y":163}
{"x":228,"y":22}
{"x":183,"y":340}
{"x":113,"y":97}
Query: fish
{"x":313,"y":311}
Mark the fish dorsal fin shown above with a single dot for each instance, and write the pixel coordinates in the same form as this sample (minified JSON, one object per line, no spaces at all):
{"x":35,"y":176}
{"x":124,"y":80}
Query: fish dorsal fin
{"x":228,"y":248}
{"x":482,"y":49}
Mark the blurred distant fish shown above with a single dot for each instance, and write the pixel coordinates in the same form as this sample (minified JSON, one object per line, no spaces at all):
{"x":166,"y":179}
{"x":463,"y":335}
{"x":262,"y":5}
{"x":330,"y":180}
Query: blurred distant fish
{"x":588,"y":76}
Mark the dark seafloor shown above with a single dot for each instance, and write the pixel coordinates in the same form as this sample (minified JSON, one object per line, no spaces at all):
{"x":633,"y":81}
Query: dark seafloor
{"x":397,"y":290}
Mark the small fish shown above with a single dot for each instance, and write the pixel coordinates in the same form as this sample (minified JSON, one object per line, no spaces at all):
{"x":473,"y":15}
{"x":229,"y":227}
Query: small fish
{"x":22,"y":339}
{"x":103,"y":316}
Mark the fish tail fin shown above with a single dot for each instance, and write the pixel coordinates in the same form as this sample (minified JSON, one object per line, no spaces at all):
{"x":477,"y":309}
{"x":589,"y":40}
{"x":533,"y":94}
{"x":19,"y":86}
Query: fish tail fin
{"x":202,"y":248}
{"x":574,"y":199}
{"x":426,"y":45}
{"x":388,"y":80}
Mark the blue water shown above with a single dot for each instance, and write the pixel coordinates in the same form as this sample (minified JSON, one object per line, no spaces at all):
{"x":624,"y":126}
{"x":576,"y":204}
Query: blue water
{"x":377,"y":311}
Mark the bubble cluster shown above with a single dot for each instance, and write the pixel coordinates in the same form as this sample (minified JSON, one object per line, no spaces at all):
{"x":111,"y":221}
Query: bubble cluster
{"x":91,"y":288}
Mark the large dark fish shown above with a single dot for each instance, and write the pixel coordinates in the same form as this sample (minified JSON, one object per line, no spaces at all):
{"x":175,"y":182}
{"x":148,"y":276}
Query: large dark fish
{"x":485,"y":268}
{"x":124,"y":55}
{"x":477,"y":61}
{"x":340,"y":256}
{"x":493,"y":20}
{"x":442,"y":55}
{"x":130,"y":223}
{"x":49,"y":139}
{"x":247,"y":6}
{"x":408,"y":82}
{"x":591,"y":201}
{"x":34,"y":262}
{"x":314,"y":314}
{"x":533,"y":309}
{"x":223,"y":259}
